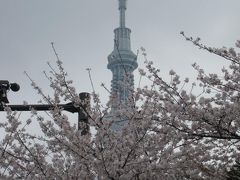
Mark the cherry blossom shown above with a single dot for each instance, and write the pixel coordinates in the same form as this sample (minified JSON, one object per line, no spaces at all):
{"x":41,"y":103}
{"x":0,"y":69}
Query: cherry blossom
{"x":170,"y":132}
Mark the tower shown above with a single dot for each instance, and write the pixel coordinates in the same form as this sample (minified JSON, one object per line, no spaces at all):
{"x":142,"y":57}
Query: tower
{"x":122,"y":62}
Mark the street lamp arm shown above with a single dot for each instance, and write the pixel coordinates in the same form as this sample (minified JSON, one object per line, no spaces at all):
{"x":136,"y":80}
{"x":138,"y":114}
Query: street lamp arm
{"x":42,"y":107}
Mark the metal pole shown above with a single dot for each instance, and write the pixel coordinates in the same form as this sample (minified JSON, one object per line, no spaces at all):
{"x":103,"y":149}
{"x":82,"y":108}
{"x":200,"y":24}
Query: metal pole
{"x":42,"y":107}
{"x":83,"y":124}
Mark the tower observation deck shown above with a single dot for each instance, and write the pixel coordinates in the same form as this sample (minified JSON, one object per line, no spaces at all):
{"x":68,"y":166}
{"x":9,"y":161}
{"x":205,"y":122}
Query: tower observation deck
{"x":122,"y":62}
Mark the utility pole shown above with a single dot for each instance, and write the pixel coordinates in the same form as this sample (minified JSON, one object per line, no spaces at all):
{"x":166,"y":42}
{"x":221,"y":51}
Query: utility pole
{"x":83,"y":116}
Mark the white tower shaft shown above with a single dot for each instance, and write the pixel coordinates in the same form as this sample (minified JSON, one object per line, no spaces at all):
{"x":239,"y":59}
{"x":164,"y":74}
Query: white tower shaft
{"x":122,"y":61}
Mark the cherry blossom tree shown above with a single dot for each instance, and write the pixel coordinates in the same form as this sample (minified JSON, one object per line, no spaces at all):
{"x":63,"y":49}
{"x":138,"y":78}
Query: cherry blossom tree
{"x":171,"y":133}
{"x":234,"y":172}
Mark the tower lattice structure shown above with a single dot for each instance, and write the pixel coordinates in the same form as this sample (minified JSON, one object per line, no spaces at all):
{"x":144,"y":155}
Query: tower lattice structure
{"x":122,"y":62}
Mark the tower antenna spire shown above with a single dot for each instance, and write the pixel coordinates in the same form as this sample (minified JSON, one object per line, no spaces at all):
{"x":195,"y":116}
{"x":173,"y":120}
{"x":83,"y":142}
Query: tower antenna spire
{"x":122,"y":9}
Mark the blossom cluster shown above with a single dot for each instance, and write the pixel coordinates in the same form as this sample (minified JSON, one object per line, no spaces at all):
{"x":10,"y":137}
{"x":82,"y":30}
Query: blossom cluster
{"x":167,"y":132}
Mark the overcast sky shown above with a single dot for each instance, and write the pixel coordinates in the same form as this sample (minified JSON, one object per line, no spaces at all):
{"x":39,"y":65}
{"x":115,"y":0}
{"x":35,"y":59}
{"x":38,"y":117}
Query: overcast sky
{"x":83,"y":34}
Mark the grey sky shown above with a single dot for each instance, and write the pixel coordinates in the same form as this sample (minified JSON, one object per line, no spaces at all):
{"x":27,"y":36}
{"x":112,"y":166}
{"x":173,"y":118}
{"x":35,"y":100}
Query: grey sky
{"x":83,"y":34}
